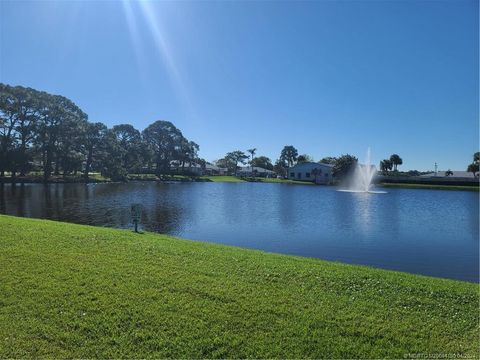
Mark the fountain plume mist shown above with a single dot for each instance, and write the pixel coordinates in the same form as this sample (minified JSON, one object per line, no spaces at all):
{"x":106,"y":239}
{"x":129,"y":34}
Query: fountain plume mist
{"x":362,"y":177}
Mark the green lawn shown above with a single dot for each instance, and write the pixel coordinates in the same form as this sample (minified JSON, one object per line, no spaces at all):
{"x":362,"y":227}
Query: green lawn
{"x":37,"y":176}
{"x":219,"y":178}
{"x":73,"y":291}
{"x":284,"y":181}
{"x":430,"y":186}
{"x":144,"y":177}
{"x":257,"y":179}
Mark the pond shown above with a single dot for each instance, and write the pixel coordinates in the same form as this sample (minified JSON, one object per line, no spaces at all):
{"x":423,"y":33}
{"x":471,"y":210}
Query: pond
{"x":430,"y":232}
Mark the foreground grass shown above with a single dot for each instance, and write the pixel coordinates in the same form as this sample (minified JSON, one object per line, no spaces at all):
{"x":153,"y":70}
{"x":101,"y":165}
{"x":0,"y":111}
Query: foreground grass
{"x":73,"y":291}
{"x":430,"y":186}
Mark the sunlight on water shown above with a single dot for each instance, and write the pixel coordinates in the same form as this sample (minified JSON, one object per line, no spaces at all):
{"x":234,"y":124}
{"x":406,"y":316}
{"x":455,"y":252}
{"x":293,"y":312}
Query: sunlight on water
{"x":363,"y":191}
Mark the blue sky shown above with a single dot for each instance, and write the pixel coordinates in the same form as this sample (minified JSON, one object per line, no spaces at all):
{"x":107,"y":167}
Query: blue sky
{"x":329,"y":77}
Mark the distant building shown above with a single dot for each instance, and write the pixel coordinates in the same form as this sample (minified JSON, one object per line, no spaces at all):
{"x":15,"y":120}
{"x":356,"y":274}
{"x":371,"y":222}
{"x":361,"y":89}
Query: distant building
{"x":208,"y":169}
{"x":176,"y":166}
{"x":255,"y":171}
{"x":311,"y":171}
{"x":442,"y":174}
{"x":211,"y":169}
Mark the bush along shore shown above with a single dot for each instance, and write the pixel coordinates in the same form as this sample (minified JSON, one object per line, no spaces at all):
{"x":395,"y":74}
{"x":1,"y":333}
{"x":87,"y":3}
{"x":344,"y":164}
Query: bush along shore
{"x":74,"y":291}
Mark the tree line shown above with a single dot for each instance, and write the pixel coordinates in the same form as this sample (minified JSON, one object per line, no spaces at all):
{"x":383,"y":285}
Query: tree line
{"x":50,"y":133}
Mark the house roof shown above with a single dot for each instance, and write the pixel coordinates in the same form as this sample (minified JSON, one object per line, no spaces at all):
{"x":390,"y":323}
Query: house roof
{"x":255,"y":168}
{"x":176,"y":163}
{"x":214,"y":167}
{"x":310,"y":165}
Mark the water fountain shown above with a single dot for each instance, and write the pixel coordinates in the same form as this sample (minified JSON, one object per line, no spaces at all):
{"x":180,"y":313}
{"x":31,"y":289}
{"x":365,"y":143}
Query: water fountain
{"x":362,"y":177}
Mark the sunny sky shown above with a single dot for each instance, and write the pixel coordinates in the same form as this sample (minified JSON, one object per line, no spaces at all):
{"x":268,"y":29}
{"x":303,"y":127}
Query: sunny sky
{"x":329,"y":77}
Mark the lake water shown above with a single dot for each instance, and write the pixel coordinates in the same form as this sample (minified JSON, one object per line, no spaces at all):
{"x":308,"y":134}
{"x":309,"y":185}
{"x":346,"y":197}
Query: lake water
{"x":430,"y":232}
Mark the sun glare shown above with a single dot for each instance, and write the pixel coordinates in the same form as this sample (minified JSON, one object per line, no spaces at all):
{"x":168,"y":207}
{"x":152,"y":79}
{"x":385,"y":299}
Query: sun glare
{"x":150,"y":14}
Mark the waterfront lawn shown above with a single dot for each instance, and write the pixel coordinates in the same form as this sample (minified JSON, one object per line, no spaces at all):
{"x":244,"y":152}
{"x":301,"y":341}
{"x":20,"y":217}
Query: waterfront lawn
{"x":431,"y":186}
{"x":284,"y":181}
{"x":222,"y":178}
{"x":37,"y":176}
{"x":142,"y":177}
{"x":73,"y":291}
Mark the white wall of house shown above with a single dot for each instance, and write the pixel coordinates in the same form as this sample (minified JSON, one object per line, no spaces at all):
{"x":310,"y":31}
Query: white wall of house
{"x":305,"y":172}
{"x":257,"y":171}
{"x":215,"y":170}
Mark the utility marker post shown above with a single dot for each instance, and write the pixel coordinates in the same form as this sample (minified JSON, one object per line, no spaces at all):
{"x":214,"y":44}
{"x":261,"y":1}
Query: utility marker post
{"x":136,"y":210}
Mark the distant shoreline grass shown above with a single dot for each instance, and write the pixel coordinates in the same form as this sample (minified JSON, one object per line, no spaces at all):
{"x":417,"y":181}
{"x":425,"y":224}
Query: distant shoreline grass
{"x":229,"y":178}
{"x":34,"y":178}
{"x":222,"y":178}
{"x":430,"y":186}
{"x":97,"y":178}
{"x":74,"y":291}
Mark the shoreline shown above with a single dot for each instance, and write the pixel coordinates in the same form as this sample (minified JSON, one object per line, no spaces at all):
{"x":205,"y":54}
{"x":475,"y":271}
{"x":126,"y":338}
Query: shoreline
{"x":430,"y":186}
{"x":97,"y":179}
{"x":151,"y":178}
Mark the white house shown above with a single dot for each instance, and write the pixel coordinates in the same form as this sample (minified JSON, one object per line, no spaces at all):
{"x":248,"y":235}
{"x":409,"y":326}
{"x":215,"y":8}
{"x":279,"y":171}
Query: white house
{"x":211,"y":169}
{"x":454,"y":174}
{"x":311,"y":171}
{"x":176,"y":166}
{"x":208,"y":169}
{"x":256,"y":171}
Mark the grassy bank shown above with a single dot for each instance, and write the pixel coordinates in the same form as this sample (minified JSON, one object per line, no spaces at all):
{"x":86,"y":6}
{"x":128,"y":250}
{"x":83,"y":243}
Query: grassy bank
{"x":220,"y":178}
{"x":430,"y":186}
{"x":97,"y":178}
{"x":72,"y":291}
{"x":283,"y":181}
{"x":257,"y":179}
{"x":60,"y":179}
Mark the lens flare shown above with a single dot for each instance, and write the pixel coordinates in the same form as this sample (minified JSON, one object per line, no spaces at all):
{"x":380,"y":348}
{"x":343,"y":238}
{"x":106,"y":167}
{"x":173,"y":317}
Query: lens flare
{"x":152,"y":17}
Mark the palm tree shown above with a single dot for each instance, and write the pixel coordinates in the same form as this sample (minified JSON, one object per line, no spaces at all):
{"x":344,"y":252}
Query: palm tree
{"x":252,"y":154}
{"x":396,"y":160}
{"x":385,"y":166}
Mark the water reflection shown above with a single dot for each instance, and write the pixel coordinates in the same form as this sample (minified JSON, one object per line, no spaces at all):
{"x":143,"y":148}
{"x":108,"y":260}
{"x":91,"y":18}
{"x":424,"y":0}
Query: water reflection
{"x":364,"y":213}
{"x":422,"y":231}
{"x":285,"y":203}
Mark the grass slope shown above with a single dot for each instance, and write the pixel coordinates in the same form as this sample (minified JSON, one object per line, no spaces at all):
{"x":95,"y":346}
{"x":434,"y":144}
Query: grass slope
{"x":73,"y":291}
